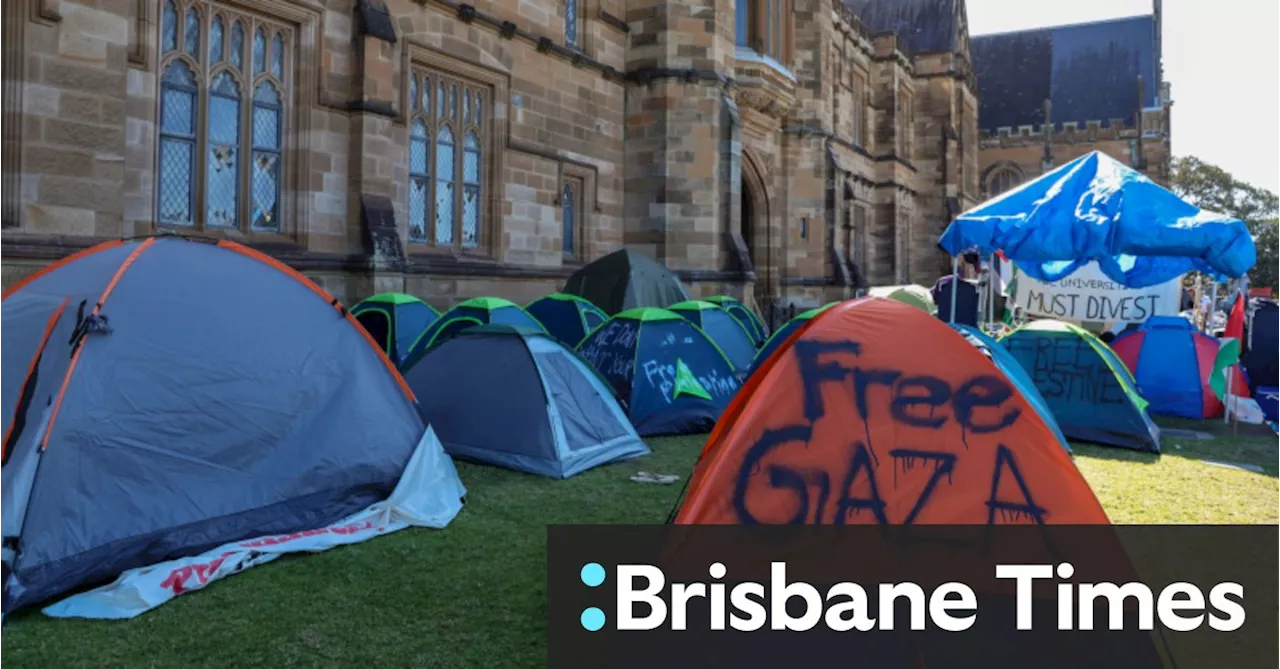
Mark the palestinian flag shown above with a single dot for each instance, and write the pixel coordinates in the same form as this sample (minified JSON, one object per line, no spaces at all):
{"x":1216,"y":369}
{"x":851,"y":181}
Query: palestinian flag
{"x":1010,"y":287}
{"x":1228,"y":358}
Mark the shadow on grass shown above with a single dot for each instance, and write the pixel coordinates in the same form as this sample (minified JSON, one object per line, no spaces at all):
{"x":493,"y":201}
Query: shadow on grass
{"x":1113,"y":453}
{"x":1242,"y":444}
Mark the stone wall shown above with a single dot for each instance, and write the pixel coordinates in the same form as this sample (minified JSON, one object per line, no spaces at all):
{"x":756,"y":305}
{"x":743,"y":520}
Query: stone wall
{"x":74,"y":101}
{"x":649,"y":117}
{"x":1023,"y":149}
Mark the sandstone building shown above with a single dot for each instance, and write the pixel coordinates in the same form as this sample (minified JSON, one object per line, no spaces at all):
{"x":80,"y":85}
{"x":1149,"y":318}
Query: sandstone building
{"x":1051,"y":95}
{"x":782,"y":150}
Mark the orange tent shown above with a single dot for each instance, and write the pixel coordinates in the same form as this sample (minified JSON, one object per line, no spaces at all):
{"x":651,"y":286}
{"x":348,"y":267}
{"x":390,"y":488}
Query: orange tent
{"x":875,"y":411}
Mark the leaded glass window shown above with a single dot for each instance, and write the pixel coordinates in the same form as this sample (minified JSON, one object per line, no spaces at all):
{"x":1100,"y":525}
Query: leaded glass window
{"x":191,"y":34}
{"x":444,"y":186}
{"x":571,"y":23}
{"x":266,"y":157}
{"x":447,"y":161}
{"x":573,"y":215}
{"x":169,"y":29}
{"x":215,"y":41}
{"x":568,"y":207}
{"x":220,"y":126}
{"x":237,"y":45}
{"x":471,"y":190}
{"x":178,"y":96}
{"x":259,"y":52}
{"x":419,"y":179}
{"x":222,"y":172}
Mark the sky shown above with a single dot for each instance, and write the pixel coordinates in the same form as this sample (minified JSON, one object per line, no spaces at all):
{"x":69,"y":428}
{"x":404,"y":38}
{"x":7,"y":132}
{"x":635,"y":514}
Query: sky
{"x":1221,"y":57}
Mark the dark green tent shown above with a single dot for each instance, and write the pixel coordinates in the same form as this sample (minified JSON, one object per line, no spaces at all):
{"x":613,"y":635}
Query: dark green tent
{"x":626,"y":279}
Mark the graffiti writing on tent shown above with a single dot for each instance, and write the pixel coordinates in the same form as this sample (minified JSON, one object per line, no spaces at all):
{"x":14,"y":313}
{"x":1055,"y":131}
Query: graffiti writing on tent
{"x":612,"y":350}
{"x":661,"y":377}
{"x":1067,"y":368}
{"x":785,"y":478}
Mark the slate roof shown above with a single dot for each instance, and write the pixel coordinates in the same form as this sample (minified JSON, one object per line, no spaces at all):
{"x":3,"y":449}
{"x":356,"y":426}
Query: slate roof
{"x":923,"y":26}
{"x":1089,"y":71}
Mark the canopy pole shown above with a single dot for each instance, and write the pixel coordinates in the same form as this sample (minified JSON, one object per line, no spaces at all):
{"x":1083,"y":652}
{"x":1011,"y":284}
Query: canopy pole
{"x":991,"y":290}
{"x":1213,"y":306}
{"x":955,"y":276}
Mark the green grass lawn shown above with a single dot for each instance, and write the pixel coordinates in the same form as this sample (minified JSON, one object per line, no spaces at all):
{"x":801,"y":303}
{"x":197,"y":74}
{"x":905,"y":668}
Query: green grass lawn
{"x":473,"y":595}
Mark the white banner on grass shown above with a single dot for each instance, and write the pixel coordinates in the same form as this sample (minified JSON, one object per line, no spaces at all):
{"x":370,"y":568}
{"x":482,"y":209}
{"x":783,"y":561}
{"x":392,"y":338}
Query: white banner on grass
{"x":1088,"y":294}
{"x":428,"y":494}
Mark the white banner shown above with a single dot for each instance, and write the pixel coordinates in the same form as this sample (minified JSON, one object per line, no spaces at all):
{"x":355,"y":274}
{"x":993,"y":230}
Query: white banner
{"x":1090,"y":295}
{"x":428,"y":494}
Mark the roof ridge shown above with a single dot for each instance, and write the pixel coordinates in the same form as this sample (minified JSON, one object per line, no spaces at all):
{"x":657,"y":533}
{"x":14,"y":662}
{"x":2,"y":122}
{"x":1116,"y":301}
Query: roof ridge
{"x":1080,"y":24}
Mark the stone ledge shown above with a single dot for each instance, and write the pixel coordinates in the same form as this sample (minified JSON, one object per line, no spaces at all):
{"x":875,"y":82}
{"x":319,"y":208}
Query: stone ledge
{"x":46,"y":248}
{"x":764,"y":88}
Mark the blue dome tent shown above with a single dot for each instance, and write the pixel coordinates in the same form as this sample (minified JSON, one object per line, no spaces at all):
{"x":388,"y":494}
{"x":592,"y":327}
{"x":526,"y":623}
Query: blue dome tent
{"x":517,"y":398}
{"x":568,"y":318}
{"x":166,"y":396}
{"x":671,"y":377}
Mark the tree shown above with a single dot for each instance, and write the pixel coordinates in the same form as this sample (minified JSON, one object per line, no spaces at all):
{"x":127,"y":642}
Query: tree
{"x":1265,"y":237}
{"x":1211,"y":187}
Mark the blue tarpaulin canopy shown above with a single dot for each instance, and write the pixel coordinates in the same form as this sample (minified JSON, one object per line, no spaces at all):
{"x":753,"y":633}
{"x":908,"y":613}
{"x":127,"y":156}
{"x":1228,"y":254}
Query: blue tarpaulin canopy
{"x":1095,"y":208}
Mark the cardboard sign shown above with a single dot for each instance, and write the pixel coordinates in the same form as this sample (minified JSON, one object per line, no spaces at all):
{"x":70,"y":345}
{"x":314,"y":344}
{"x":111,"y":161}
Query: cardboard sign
{"x":1090,"y":295}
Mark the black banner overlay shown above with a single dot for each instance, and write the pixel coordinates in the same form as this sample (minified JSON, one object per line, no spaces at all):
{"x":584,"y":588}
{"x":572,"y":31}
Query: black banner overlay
{"x":963,"y":596}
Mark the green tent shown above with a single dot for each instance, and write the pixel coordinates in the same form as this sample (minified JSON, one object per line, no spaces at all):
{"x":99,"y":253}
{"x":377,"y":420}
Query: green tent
{"x":916,"y":296}
{"x":395,"y":321}
{"x":467,"y":314}
{"x":626,"y":279}
{"x":748,"y":318}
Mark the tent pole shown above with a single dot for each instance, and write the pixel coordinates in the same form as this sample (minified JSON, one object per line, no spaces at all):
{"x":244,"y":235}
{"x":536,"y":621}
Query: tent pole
{"x":1227,"y":399}
{"x":955,"y":277}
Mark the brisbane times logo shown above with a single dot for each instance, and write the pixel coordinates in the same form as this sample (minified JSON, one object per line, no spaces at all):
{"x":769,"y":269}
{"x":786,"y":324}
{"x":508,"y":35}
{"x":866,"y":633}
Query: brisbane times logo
{"x":642,"y":599}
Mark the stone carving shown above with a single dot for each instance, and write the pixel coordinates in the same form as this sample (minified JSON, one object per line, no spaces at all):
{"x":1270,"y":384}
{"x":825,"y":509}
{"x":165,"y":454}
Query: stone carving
{"x":763,"y":102}
{"x":764,"y":89}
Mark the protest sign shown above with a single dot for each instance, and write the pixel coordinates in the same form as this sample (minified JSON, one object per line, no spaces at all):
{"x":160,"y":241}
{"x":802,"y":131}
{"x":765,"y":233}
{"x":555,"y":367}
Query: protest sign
{"x":1090,"y":295}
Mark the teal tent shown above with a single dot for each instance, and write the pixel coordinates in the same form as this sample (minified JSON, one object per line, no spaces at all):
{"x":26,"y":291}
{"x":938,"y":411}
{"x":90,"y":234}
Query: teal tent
{"x":1091,"y":393}
{"x":1016,"y":374}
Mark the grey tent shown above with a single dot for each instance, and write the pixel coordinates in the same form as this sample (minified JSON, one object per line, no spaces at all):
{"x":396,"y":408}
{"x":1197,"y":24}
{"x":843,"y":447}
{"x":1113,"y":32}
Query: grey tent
{"x":163,"y":397}
{"x":626,"y":279}
{"x":517,"y":398}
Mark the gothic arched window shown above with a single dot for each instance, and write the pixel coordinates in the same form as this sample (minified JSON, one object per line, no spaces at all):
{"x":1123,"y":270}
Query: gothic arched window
{"x":447,"y":160}
{"x":220,"y":126}
{"x":1002,"y":180}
